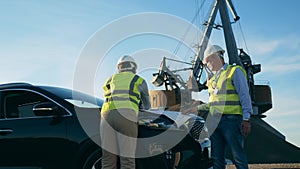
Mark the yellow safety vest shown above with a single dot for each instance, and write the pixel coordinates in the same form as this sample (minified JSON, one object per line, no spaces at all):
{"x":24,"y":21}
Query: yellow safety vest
{"x":121,"y":92}
{"x":223,"y":97}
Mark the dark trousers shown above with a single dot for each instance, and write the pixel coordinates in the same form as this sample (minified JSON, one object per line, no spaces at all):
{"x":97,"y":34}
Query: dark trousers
{"x":119,"y":131}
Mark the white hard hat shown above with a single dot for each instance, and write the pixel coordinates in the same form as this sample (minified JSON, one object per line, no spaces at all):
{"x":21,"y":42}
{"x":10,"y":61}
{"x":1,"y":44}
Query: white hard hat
{"x":213,"y":49}
{"x":126,"y":59}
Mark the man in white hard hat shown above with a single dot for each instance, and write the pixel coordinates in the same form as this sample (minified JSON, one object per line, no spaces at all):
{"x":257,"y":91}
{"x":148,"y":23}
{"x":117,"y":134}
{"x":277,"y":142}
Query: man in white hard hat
{"x":229,"y":108}
{"x":125,"y":93}
{"x":213,"y":53}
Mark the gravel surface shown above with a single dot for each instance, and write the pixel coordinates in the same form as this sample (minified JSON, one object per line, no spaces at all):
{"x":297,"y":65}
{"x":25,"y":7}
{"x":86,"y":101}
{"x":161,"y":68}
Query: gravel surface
{"x":268,"y":166}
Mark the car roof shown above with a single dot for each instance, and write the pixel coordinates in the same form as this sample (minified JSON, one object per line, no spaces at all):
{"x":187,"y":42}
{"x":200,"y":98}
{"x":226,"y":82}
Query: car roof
{"x":18,"y":84}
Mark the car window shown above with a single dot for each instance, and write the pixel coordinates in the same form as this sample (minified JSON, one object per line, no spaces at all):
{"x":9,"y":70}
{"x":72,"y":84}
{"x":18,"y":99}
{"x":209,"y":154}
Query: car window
{"x":19,"y":104}
{"x":76,"y":98}
{"x":82,"y":103}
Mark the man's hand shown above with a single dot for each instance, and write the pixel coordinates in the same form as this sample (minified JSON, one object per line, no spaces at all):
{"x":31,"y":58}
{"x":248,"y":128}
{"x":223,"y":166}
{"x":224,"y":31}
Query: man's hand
{"x":246,"y":128}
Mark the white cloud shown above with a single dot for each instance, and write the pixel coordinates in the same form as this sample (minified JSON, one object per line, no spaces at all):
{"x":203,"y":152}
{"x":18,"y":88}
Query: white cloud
{"x":284,"y":106}
{"x":277,"y":56}
{"x":263,"y":46}
{"x":279,"y":69}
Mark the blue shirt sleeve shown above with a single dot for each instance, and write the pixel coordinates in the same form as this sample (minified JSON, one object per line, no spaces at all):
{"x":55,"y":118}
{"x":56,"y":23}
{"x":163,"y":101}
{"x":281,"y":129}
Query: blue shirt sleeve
{"x":145,"y":95}
{"x":241,"y":86}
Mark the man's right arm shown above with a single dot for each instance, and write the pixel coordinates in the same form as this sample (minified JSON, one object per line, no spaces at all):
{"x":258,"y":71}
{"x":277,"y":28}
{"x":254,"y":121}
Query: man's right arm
{"x":145,"y":95}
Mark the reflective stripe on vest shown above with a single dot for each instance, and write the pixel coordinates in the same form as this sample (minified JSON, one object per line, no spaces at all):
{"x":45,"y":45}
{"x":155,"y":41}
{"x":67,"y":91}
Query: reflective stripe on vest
{"x":121,"y":92}
{"x":223,"y":97}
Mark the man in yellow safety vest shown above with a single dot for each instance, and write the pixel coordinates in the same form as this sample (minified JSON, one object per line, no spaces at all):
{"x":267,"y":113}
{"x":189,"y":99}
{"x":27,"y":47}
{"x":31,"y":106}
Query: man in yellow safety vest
{"x":229,"y":108}
{"x":125,"y":93}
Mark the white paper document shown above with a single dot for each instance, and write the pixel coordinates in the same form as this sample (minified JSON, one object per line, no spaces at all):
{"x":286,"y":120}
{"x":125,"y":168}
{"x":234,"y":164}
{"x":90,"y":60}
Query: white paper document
{"x":178,"y":118}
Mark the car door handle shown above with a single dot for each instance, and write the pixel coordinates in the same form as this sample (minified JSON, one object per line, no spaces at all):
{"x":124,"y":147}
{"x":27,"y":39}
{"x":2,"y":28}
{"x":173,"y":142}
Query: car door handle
{"x":4,"y":132}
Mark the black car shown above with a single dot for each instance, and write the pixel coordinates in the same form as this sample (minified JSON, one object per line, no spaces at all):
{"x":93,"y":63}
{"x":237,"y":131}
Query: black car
{"x":53,"y":128}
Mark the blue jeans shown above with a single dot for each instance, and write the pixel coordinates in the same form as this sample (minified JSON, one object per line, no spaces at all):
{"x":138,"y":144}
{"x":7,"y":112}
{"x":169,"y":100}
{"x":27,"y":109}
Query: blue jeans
{"x":228,"y":136}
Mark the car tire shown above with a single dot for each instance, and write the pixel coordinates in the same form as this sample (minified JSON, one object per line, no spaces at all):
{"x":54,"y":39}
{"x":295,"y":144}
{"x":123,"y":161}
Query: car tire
{"x":93,"y":160}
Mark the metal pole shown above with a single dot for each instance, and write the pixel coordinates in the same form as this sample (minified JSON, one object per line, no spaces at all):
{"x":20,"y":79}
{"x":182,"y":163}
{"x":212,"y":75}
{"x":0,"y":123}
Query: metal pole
{"x":204,"y":41}
{"x":228,"y":34}
{"x":232,"y":9}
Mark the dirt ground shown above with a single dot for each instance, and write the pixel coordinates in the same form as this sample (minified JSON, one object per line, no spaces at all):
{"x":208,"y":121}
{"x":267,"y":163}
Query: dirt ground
{"x":268,"y":166}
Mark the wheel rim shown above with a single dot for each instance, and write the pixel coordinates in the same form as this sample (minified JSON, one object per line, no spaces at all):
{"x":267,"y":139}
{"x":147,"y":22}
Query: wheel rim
{"x":97,"y":164}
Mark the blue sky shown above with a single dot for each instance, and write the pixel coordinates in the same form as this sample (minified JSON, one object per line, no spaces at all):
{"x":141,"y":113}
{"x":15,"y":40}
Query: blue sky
{"x":42,"y":41}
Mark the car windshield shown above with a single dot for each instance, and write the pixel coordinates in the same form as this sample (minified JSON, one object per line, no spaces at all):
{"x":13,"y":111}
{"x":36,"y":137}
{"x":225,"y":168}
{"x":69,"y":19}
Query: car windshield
{"x":76,"y":98}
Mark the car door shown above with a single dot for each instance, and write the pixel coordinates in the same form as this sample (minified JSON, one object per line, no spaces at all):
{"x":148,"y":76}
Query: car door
{"x":28,"y":138}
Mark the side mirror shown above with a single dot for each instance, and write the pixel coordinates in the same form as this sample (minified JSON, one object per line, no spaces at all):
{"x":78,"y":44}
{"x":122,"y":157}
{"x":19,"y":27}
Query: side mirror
{"x":46,"y":109}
